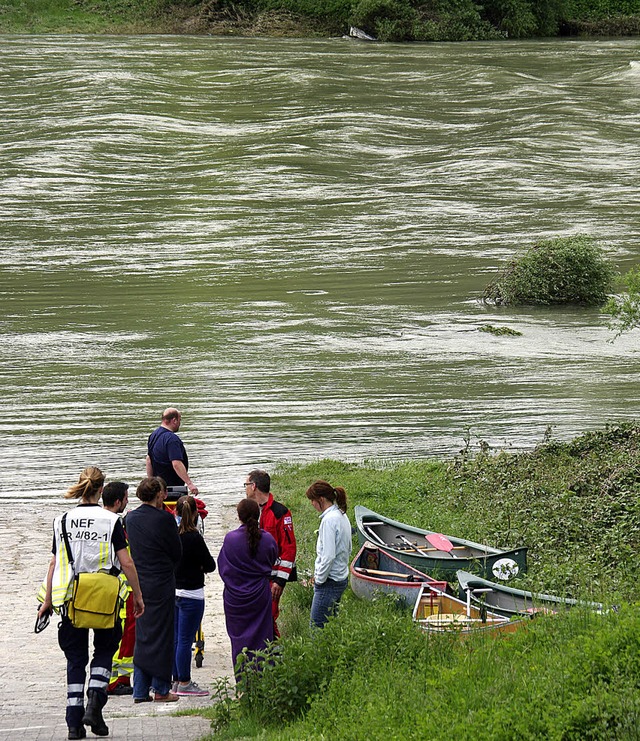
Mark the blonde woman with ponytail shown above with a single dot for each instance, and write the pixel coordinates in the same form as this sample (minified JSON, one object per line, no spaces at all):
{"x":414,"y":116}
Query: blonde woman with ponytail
{"x":333,"y":550}
{"x":97,"y":542}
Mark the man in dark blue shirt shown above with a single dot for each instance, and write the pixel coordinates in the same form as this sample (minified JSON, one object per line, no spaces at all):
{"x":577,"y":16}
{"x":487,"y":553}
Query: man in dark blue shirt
{"x":166,"y":454}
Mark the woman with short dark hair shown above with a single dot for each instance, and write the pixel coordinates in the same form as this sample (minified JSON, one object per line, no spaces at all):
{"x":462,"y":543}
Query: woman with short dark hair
{"x":156,"y":549}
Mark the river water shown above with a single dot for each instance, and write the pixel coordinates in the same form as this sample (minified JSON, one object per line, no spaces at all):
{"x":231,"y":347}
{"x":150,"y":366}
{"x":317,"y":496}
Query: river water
{"x":287,"y":240}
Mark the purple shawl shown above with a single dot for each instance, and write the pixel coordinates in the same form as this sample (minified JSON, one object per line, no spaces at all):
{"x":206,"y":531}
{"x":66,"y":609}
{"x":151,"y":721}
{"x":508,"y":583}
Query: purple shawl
{"x":247,"y":594}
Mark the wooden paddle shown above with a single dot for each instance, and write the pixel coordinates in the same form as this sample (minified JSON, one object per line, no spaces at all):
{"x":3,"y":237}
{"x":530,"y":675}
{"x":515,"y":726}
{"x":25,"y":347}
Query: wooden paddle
{"x":440,"y":543}
{"x":377,"y":572}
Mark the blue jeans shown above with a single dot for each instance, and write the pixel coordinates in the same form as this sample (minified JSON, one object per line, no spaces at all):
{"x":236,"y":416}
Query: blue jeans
{"x":325,"y":601}
{"x":189,"y":614}
{"x":143,"y":682}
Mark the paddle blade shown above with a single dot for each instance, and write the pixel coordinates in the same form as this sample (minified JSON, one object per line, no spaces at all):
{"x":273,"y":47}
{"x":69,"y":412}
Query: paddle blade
{"x":439,"y":541}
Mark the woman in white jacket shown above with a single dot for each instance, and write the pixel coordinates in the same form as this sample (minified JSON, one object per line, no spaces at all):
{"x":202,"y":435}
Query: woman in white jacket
{"x":333,"y":550}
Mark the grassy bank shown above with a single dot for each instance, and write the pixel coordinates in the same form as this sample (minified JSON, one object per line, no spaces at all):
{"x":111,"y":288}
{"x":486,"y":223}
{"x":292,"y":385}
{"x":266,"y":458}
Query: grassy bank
{"x":371,"y":674}
{"x":387,"y":20}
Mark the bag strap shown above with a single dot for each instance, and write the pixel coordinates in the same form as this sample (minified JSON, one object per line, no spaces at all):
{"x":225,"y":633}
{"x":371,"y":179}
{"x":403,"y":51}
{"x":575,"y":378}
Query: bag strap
{"x":65,"y":535}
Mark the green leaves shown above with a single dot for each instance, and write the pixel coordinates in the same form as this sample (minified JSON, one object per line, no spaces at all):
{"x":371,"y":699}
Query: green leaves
{"x":625,"y":309}
{"x":568,"y":270}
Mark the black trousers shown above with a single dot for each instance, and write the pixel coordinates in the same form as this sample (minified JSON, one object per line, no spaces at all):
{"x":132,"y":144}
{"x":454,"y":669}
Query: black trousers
{"x":75,"y":644}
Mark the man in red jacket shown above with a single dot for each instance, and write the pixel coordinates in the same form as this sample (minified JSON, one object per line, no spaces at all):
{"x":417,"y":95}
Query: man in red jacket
{"x":275,"y":518}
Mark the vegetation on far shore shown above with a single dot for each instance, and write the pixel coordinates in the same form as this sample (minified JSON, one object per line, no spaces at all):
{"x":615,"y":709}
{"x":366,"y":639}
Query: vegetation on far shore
{"x":386,"y":20}
{"x":372,"y":674}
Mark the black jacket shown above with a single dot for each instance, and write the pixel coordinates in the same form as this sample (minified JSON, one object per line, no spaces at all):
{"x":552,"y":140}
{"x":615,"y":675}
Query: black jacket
{"x":196,"y":561}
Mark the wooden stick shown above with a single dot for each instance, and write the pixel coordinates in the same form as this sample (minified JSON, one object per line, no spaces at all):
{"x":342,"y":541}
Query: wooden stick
{"x":425,"y":548}
{"x":377,"y":572}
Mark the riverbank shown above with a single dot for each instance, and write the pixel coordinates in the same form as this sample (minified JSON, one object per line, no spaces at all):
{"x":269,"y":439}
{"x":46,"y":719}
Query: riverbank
{"x":568,"y":676}
{"x":574,"y":504}
{"x":33,"y":668}
{"x":386,"y":20}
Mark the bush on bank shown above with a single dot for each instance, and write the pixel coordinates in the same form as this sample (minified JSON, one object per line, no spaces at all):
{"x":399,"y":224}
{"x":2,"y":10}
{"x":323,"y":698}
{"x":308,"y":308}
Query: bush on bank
{"x":387,"y":20}
{"x":624,"y":309}
{"x":569,"y":270}
{"x":372,"y":674}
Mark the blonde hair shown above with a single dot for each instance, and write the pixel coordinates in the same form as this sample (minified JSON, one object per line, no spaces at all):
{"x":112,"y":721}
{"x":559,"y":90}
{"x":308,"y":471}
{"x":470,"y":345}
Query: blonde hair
{"x":89,"y":484}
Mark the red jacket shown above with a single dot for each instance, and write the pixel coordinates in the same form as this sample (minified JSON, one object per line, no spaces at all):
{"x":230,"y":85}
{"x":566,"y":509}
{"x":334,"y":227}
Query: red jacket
{"x":275,"y":518}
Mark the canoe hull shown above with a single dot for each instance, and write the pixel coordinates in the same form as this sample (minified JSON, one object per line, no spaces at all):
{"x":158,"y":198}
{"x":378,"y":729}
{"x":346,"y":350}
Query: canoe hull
{"x":391,"y":536}
{"x":436,"y":612}
{"x":374,"y":572}
{"x":511,"y":602}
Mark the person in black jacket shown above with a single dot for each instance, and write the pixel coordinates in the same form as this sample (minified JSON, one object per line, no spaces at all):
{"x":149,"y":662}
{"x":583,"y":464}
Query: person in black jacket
{"x":156,"y":550}
{"x":195,"y":563}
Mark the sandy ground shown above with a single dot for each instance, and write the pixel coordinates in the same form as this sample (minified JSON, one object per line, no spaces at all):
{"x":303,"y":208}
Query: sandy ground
{"x":33,"y":666}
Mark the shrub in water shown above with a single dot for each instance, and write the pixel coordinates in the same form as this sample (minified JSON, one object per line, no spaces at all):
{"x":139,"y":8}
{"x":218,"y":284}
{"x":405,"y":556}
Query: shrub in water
{"x":499,"y":331}
{"x":569,"y":270}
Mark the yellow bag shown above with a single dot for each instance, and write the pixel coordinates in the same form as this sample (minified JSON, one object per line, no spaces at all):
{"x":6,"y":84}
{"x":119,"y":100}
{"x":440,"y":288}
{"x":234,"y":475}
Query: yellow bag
{"x":94,"y":603}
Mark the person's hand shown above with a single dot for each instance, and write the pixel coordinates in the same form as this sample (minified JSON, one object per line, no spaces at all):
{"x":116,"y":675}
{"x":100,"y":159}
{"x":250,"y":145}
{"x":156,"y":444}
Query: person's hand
{"x":42,"y":618}
{"x":193,"y":489}
{"x":138,"y":606}
{"x":276,"y":591}
{"x":45,"y":609}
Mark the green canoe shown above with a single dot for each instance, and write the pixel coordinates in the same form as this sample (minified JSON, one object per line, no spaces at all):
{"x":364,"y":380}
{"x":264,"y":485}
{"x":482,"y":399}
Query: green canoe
{"x":409,"y":544}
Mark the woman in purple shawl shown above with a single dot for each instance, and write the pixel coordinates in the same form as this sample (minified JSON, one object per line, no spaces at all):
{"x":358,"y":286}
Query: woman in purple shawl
{"x":244,"y":564}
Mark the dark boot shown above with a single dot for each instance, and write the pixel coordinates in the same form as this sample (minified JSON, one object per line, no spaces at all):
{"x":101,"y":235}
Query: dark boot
{"x":76,"y":733}
{"x":93,"y":714}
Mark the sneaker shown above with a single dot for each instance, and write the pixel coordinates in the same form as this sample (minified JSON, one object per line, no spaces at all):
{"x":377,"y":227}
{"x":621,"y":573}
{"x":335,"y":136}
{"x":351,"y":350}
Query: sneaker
{"x":191,"y":690}
{"x":174,"y":687}
{"x":169,"y":697}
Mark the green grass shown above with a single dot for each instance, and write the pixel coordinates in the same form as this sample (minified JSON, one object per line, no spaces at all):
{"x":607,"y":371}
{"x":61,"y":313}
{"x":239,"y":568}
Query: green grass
{"x":35,"y":16}
{"x":372,"y":674}
{"x":84,"y":16}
